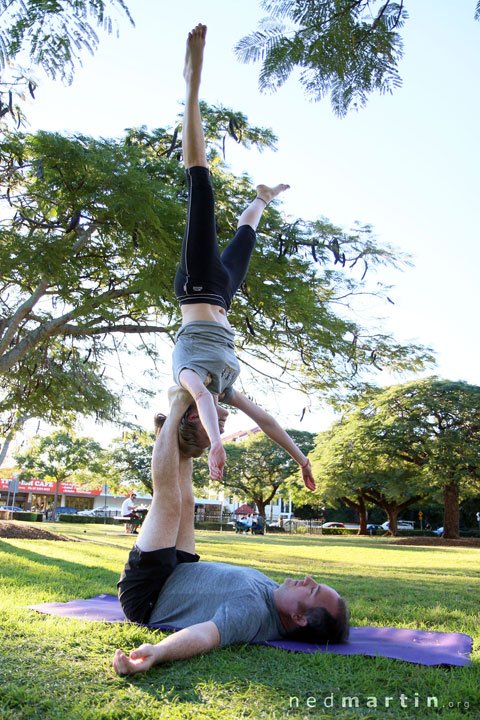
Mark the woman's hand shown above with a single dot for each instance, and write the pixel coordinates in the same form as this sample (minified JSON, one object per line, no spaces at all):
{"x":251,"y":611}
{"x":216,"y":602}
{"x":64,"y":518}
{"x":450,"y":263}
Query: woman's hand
{"x":139,"y":660}
{"x":216,"y":461}
{"x":308,"y":479}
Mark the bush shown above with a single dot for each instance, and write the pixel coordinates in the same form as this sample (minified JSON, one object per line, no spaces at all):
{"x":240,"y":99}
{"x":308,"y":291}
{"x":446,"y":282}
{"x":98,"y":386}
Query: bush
{"x":416,"y":533}
{"x":213,"y":526}
{"x":29,"y":516}
{"x":73,"y":518}
{"x":68,"y":518}
{"x":101,"y":520}
{"x":275,"y":529}
{"x":470,"y":533}
{"x":339,"y":531}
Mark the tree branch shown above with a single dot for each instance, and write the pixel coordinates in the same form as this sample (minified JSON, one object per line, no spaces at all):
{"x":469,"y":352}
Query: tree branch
{"x":54,"y":327}
{"x":86,"y":330}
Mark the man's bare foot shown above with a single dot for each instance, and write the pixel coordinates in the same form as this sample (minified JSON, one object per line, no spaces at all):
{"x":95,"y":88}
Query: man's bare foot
{"x":266,"y":193}
{"x":179,"y":397}
{"x":194,"y":56}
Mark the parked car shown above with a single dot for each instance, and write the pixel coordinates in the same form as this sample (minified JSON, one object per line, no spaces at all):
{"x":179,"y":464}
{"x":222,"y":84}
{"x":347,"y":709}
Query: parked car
{"x":373,"y":529}
{"x":333,"y":525}
{"x":66,"y":511}
{"x":12,"y":508}
{"x":401,"y":525}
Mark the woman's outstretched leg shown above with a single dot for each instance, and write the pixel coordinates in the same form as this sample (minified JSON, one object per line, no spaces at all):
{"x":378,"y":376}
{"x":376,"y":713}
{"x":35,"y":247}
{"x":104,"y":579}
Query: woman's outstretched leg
{"x":237,"y":254}
{"x":193,"y":141}
{"x":252,"y":214}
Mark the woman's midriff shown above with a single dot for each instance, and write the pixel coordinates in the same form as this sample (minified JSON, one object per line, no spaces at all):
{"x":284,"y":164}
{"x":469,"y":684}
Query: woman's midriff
{"x":204,"y":311}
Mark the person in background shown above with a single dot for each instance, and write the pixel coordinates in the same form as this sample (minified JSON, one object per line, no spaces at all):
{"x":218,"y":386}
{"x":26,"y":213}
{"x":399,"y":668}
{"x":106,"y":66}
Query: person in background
{"x":128,"y":510}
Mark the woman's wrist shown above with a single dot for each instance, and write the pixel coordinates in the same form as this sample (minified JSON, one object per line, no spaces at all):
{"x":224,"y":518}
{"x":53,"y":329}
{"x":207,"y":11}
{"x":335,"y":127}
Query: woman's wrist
{"x":304,"y":464}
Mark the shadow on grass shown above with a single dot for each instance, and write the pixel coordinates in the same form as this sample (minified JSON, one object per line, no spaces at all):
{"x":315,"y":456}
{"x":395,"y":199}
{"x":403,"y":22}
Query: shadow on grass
{"x":65,"y":578}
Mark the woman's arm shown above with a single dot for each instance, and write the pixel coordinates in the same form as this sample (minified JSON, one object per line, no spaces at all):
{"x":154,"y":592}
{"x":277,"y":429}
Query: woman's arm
{"x":192,"y":382}
{"x":183,"y":644}
{"x":276,"y":433}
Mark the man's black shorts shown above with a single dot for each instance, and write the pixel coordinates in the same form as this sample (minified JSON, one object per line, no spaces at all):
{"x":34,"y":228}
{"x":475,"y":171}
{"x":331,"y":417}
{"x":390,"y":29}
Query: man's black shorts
{"x":143,"y":577}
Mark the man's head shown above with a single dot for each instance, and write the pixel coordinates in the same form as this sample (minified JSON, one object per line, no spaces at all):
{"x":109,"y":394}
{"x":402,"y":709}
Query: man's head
{"x":133,"y":495}
{"x":192,"y":436}
{"x":312,"y":612}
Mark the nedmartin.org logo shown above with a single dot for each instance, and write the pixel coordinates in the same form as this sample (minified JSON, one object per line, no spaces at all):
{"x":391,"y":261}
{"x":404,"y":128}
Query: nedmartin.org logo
{"x":331,"y":701}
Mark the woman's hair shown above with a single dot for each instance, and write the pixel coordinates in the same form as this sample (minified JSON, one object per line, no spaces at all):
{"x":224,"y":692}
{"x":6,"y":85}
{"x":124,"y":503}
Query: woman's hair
{"x":323,"y":627}
{"x":188,"y":442}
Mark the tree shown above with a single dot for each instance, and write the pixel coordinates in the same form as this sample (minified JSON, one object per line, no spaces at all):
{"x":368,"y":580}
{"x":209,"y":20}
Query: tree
{"x":345,"y":48}
{"x":258,"y":468}
{"x":129,"y":460}
{"x":57,"y":389}
{"x":349,"y":470}
{"x":423,"y":435}
{"x":53,"y":35}
{"x":60,"y":457}
{"x":89,"y":248}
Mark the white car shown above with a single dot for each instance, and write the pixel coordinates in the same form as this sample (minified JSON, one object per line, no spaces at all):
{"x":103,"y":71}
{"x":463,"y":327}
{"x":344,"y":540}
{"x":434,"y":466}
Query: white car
{"x":401,"y":525}
{"x":101,"y":512}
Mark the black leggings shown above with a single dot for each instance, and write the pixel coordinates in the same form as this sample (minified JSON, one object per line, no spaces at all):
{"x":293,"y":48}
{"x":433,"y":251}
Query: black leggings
{"x":205,"y":275}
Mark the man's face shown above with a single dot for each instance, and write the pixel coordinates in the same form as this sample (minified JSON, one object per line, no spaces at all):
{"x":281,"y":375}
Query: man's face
{"x":294,"y":597}
{"x":202,"y":436}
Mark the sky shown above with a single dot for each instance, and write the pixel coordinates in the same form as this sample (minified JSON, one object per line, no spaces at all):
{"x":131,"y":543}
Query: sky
{"x":407,"y":163}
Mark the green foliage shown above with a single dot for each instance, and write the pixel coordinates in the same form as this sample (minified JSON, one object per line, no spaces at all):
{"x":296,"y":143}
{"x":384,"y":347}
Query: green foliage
{"x":339,"y":531}
{"x":60,"y":456}
{"x":128,"y":461}
{"x":53,"y":35}
{"x":88,"y":251}
{"x":27,"y":516}
{"x":343,"y":48}
{"x":257,"y":467}
{"x":403,"y":442}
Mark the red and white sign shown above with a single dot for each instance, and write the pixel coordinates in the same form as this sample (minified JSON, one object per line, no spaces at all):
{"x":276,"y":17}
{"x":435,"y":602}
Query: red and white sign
{"x":48,"y":486}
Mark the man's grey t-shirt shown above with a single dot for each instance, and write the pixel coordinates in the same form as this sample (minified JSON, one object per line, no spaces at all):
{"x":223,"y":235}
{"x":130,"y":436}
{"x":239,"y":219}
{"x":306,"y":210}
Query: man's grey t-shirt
{"x":239,"y":600}
{"x":208,"y":348}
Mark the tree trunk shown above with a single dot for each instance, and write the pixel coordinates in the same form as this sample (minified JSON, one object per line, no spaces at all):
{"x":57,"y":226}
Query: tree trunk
{"x":359,"y":507}
{"x":53,"y":515}
{"x":450,"y":511}
{"x":392,"y":514}
{"x":362,"y":515}
{"x":261,"y":508}
{"x":4,"y":447}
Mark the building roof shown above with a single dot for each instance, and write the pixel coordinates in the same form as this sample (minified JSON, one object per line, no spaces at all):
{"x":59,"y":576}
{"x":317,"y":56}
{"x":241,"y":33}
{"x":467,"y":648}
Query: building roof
{"x":244,"y":510}
{"x":241,"y":435}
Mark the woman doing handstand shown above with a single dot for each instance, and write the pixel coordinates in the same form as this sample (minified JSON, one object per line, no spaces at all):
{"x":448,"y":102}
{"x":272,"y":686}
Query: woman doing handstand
{"x":204,"y":361}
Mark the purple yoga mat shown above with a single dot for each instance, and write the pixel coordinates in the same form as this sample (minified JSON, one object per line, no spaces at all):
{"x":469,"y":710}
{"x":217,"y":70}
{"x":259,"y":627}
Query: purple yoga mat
{"x":415,"y":646}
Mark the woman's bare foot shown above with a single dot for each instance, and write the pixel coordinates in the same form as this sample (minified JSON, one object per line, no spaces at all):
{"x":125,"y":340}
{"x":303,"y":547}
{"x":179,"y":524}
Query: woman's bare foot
{"x":194,"y":56}
{"x":266,"y":193}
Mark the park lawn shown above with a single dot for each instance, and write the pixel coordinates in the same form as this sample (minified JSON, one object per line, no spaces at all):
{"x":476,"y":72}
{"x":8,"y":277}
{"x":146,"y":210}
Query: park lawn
{"x":59,"y":669}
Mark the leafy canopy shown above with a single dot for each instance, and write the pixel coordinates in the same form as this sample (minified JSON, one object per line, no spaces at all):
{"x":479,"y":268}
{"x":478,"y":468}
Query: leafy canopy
{"x":343,"y":48}
{"x":51,"y":35}
{"x":257,"y":468}
{"x":89,"y":245}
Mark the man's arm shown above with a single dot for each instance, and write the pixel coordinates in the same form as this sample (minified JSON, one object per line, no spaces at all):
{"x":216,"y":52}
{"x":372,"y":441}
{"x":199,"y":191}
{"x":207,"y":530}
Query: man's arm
{"x":192,"y":382}
{"x":178,"y":646}
{"x":276,"y":433}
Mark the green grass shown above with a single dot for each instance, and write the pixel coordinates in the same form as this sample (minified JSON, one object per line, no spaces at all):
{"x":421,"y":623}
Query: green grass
{"x":58,"y":669}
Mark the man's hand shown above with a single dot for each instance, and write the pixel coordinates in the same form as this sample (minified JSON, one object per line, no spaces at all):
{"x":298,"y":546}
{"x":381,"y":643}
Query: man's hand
{"x":308,"y":479}
{"x":140,"y":660}
{"x":180,"y":645}
{"x":216,"y":461}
